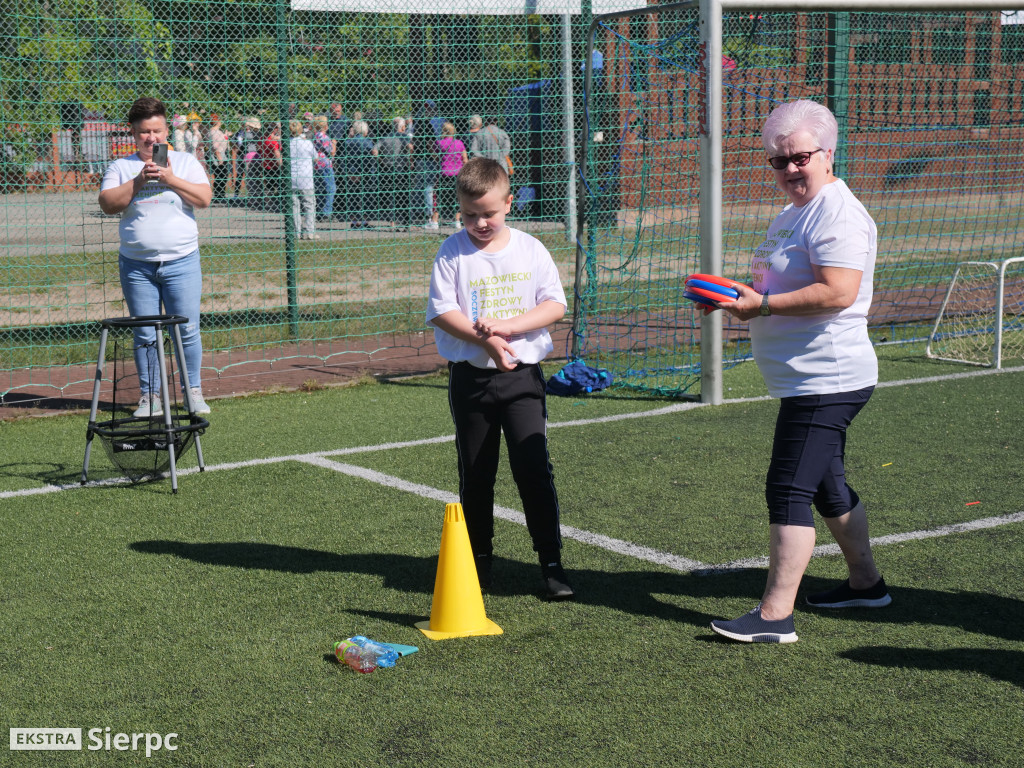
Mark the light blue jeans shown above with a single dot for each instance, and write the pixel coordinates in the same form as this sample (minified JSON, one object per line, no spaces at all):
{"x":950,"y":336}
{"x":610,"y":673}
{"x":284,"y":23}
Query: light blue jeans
{"x":325,"y":190}
{"x":428,"y":199}
{"x":304,"y":211}
{"x":177,"y":285}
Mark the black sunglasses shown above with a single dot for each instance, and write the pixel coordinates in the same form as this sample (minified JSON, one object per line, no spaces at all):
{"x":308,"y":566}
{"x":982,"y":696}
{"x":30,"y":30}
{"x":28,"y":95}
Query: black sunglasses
{"x":800,"y":159}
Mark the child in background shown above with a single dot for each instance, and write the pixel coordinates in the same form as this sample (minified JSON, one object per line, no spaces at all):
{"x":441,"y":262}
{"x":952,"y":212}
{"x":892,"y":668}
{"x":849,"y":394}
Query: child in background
{"x":303,"y":155}
{"x":493,"y":292}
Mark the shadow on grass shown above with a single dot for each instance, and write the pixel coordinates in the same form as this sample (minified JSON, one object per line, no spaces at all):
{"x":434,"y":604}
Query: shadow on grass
{"x":51,"y":473}
{"x":976,"y":612}
{"x":650,"y":594}
{"x":644,"y":593}
{"x":1005,"y":665}
{"x":633,"y":592}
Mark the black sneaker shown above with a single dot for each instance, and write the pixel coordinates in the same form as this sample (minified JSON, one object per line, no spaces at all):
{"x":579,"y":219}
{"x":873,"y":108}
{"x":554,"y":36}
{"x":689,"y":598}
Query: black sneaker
{"x":751,"y":628}
{"x":483,"y":570}
{"x":556,"y":582}
{"x":844,"y":596}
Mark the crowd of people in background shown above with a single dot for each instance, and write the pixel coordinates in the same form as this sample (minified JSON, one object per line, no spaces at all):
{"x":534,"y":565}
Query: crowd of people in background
{"x":363,"y":170}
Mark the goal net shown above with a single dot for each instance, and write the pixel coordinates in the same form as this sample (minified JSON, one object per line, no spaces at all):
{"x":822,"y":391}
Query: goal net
{"x":981,"y":320}
{"x":929,"y":108}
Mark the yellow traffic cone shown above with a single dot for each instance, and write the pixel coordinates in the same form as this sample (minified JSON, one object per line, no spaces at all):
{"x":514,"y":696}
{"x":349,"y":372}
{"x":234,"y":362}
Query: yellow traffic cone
{"x":458,"y":607}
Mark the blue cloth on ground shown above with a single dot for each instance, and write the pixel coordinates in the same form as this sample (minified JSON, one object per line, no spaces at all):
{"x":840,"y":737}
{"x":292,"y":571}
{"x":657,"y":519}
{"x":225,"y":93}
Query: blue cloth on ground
{"x":578,"y":377}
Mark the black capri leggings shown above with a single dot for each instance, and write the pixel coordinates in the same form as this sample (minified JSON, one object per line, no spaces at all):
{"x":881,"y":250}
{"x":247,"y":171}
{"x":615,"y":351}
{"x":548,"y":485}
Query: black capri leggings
{"x":807,"y":457}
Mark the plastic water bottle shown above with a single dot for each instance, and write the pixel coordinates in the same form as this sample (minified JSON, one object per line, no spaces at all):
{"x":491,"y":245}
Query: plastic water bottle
{"x":361,"y":659}
{"x":386,"y":656}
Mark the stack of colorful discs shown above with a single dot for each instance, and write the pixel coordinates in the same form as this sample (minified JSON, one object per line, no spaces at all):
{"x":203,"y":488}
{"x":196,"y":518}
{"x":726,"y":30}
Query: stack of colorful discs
{"x":707,"y":289}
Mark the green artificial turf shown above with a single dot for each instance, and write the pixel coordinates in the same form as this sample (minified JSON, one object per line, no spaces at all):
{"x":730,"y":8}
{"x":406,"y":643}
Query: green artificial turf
{"x":212,"y":612}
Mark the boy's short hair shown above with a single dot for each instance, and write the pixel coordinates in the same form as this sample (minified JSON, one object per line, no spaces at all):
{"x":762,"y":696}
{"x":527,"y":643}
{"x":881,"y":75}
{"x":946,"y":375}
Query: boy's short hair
{"x":479,"y":176}
{"x":145,"y":108}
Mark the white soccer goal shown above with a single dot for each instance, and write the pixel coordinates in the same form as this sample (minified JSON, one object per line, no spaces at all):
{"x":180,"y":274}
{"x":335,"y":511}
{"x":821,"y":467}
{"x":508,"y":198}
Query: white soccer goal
{"x":981,"y":321}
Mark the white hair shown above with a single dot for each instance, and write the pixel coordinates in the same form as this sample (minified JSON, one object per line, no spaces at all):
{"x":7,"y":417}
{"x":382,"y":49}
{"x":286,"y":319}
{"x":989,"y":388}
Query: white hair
{"x":399,"y":124}
{"x":803,"y":115}
{"x":360,"y":128}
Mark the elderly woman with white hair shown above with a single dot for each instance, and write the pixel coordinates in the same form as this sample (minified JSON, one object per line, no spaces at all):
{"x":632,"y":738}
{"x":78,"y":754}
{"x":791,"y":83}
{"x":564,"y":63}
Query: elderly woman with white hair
{"x":359,"y":167}
{"x":807,"y":307}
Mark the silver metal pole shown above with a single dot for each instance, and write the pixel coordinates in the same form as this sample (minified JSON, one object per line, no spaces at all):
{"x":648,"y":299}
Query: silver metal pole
{"x":165,"y":386}
{"x":97,"y":381}
{"x":710,"y":128}
{"x":570,"y":133}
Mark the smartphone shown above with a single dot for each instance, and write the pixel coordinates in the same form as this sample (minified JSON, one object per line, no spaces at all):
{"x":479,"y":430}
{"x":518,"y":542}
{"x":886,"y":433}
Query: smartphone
{"x":160,"y":154}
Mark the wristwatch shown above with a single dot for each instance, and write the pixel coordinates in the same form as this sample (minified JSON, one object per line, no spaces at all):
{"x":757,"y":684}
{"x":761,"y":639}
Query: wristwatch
{"x":766,"y":310}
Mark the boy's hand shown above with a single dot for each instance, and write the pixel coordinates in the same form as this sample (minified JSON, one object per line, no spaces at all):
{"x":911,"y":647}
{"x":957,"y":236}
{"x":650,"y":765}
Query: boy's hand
{"x":490,"y":326}
{"x":501,"y":352}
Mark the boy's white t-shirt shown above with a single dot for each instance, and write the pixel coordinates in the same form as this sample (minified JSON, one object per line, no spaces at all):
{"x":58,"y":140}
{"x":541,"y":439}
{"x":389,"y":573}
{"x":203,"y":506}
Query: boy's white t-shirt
{"x":303,"y":153}
{"x":157,"y":225}
{"x":830,"y":352}
{"x":504,"y":284}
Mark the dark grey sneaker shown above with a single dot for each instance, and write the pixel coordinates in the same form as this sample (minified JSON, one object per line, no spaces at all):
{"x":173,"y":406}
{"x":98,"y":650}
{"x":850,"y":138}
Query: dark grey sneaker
{"x":844,"y":596}
{"x":556,"y":582}
{"x":751,"y":628}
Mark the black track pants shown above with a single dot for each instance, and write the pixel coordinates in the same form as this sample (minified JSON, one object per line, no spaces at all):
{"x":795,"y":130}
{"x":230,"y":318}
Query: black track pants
{"x":484,"y":403}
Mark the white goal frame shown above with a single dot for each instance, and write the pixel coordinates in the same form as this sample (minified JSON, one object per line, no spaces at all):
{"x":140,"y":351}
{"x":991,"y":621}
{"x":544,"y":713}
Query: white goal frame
{"x":997,"y":312}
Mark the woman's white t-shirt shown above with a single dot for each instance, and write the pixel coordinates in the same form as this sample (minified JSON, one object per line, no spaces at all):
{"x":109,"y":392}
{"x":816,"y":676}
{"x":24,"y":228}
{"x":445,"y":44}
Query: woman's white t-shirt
{"x":830,"y":352}
{"x":504,"y":284}
{"x":157,"y":225}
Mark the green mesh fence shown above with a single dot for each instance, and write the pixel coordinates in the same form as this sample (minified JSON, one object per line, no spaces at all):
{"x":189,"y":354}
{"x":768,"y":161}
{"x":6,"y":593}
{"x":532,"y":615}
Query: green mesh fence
{"x":931,"y":144}
{"x":931,"y":113}
{"x":70,"y":69}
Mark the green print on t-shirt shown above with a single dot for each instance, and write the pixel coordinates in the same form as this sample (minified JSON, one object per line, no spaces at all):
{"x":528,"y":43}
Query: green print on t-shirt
{"x":500,"y":300}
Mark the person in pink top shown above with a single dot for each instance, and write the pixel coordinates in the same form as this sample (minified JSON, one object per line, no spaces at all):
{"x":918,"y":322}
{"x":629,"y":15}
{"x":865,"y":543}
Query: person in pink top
{"x":453,"y":155}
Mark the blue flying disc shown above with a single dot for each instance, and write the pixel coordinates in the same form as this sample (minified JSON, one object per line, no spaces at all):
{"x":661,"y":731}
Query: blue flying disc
{"x":725,"y":291}
{"x":700,"y":299}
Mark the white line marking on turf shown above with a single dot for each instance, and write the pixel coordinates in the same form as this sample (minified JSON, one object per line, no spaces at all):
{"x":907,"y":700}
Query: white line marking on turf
{"x":615,"y":545}
{"x":878,"y":541}
{"x":604,"y":542}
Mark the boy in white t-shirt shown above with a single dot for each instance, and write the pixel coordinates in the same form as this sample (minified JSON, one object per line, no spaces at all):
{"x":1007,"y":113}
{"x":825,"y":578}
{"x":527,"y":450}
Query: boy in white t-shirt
{"x":493,"y":293}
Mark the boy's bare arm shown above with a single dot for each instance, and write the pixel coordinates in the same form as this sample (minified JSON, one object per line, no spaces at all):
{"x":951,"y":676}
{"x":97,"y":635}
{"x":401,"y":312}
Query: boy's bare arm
{"x":541,"y":316}
{"x":458,"y":325}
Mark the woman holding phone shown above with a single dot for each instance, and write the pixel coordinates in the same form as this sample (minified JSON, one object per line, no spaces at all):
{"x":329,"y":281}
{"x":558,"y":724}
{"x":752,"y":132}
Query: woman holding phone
{"x":156,"y":192}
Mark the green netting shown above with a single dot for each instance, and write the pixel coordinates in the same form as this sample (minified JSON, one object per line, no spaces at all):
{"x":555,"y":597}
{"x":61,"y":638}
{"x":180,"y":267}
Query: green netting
{"x":931,"y":112}
{"x":933,"y":108}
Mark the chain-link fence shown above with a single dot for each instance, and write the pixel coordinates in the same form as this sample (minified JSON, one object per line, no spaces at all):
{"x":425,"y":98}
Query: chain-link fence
{"x":377,"y":87}
{"x":374,"y":86}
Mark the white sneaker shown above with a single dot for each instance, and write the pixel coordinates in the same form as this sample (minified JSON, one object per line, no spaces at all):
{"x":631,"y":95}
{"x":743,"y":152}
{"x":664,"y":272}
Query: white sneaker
{"x":150,"y":405}
{"x":431,"y":225}
{"x":198,"y":403}
{"x":458,"y":225}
